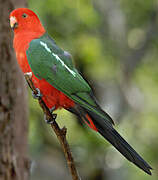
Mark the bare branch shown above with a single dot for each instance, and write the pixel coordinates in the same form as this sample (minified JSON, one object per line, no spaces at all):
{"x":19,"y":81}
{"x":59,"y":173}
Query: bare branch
{"x":60,"y":133}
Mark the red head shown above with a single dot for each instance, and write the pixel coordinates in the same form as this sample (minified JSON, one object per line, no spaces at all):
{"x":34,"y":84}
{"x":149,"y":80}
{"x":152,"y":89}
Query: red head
{"x":25,"y":20}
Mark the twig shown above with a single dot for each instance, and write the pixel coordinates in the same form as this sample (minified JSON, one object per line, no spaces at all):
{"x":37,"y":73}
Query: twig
{"x":60,"y":133}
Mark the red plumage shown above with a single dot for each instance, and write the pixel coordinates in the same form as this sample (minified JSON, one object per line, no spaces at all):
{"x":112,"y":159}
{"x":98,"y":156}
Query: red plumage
{"x":27,"y":27}
{"x":22,"y":37}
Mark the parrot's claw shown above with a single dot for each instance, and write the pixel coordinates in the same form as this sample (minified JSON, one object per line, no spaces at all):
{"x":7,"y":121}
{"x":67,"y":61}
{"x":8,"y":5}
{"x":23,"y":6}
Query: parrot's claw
{"x":50,"y":121}
{"x":38,"y":95}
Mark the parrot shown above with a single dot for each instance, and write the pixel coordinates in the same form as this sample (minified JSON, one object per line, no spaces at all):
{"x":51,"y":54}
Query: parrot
{"x":59,"y":83}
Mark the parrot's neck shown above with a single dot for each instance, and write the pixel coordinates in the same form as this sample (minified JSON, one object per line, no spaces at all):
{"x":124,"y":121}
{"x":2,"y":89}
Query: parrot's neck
{"x":21,"y":44}
{"x":22,"y":40}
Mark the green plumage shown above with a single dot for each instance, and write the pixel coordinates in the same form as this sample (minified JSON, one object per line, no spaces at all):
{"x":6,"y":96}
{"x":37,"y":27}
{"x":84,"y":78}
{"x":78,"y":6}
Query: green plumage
{"x":50,"y":62}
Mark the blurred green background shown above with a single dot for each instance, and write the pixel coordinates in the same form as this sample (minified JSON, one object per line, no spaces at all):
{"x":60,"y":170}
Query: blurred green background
{"x":114,"y":44}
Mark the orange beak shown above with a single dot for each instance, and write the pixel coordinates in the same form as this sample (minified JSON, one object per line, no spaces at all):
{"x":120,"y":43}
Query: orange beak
{"x":13,"y":22}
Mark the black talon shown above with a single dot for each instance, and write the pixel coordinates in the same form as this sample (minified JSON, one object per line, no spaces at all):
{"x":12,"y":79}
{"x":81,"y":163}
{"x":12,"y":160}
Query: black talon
{"x":54,"y":116}
{"x":38,"y":95}
{"x":50,"y":121}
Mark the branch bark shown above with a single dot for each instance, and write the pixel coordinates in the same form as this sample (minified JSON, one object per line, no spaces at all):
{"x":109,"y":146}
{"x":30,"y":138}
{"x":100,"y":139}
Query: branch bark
{"x":60,"y":133}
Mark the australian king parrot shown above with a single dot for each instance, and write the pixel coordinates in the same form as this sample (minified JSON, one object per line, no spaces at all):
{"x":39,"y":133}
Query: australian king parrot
{"x":59,"y":82}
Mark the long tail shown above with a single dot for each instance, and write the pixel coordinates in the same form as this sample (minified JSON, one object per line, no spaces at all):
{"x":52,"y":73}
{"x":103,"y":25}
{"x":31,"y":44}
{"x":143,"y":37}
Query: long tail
{"x":98,"y":124}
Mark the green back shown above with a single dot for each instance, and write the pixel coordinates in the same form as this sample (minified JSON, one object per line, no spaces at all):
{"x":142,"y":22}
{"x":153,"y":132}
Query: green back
{"x":53,"y":64}
{"x":48,"y":61}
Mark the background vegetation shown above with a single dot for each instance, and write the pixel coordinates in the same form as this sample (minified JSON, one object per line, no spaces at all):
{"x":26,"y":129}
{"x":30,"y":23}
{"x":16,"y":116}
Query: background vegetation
{"x":115,"y":46}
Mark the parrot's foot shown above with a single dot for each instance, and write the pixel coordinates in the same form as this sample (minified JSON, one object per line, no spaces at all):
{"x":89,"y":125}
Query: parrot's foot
{"x":38,"y":95}
{"x":50,"y":121}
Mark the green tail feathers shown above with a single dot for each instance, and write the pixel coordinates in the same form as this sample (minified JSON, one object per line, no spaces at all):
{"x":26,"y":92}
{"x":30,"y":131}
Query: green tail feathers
{"x":109,"y":133}
{"x":99,"y":123}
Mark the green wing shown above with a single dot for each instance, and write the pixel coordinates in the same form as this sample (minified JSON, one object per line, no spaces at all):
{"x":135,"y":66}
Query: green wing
{"x":64,"y":55}
{"x":49,"y":62}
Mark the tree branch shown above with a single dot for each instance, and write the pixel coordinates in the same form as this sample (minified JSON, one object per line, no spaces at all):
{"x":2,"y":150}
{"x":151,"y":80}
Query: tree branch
{"x":60,"y":133}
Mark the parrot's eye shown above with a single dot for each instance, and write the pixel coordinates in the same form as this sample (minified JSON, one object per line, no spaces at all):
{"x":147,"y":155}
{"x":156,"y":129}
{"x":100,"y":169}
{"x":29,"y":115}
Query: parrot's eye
{"x":24,"y":15}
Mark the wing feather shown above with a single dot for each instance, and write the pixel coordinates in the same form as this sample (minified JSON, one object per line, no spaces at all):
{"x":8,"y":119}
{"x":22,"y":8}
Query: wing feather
{"x":47,"y":64}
